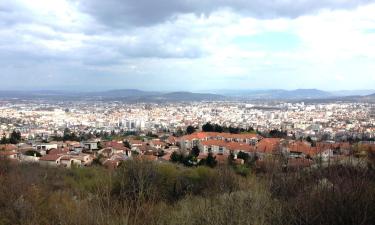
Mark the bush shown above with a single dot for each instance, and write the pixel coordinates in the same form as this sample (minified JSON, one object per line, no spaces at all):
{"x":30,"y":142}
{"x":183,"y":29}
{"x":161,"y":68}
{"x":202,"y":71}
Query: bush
{"x":242,"y":170}
{"x":335,"y":195}
{"x":33,"y":153}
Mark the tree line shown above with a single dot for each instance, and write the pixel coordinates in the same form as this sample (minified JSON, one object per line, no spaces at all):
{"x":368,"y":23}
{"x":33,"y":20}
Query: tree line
{"x":14,"y":138}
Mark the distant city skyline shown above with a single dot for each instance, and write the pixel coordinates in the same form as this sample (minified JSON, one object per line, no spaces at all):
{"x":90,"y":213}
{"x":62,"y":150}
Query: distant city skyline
{"x":187,"y":46}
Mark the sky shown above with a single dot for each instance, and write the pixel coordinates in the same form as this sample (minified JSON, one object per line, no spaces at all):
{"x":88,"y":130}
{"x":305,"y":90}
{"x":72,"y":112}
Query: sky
{"x":187,"y":44}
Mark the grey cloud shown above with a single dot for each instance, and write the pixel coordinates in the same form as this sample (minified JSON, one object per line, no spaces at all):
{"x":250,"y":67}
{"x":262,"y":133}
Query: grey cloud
{"x":124,"y":13}
{"x":12,"y":13}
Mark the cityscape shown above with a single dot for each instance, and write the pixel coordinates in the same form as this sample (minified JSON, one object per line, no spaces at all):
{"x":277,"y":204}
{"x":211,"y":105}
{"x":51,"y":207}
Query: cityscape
{"x":43,"y":125}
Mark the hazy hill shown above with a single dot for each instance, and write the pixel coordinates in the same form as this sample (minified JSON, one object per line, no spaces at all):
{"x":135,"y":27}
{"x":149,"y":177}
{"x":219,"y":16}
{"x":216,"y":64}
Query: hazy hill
{"x":277,"y":94}
{"x":122,"y":93}
{"x":134,"y":95}
{"x":353,"y":92}
{"x":128,"y":95}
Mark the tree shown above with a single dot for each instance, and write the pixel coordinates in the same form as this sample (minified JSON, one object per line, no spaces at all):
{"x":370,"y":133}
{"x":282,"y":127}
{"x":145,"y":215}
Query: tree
{"x":208,"y":127}
{"x":70,"y":136}
{"x":3,"y":140}
{"x":15,"y":137}
{"x":218,"y":128}
{"x":33,"y":153}
{"x":231,"y":159}
{"x":179,"y":132}
{"x":210,"y":161}
{"x":175,"y":157}
{"x":190,"y":129}
{"x":195,"y":151}
{"x":127,"y":144}
{"x":243,"y":155}
{"x":189,"y":160}
{"x":277,"y":134}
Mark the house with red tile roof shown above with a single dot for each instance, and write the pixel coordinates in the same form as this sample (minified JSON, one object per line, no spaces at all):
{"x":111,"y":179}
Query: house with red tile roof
{"x":8,"y":151}
{"x":269,"y":146}
{"x":157,"y":144}
{"x":69,"y":160}
{"x":214,"y":146}
{"x":81,"y":159}
{"x":55,"y":151}
{"x":112,"y":147}
{"x":171,"y":140}
{"x":192,"y":140}
{"x":225,"y":147}
{"x":50,"y":160}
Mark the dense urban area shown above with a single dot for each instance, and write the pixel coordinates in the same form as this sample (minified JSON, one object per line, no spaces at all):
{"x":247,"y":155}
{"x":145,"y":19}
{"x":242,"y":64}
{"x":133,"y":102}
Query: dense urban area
{"x":207,"y":162}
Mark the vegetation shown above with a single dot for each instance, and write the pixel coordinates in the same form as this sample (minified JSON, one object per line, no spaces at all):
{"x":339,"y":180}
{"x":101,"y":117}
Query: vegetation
{"x":14,"y":138}
{"x":277,"y":134}
{"x":190,"y":129}
{"x":208,"y":127}
{"x":33,"y":153}
{"x":209,"y":161}
{"x":141,"y":192}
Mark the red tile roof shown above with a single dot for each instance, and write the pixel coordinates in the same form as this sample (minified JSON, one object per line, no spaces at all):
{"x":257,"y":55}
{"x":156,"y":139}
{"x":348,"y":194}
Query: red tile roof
{"x":268,"y":145}
{"x":55,"y":151}
{"x":303,"y":147}
{"x":50,"y":157}
{"x":8,"y":147}
{"x":115,"y":145}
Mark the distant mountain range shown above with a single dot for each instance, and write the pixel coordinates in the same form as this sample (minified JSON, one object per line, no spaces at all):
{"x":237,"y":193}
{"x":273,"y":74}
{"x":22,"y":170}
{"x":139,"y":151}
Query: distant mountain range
{"x":280,"y":94}
{"x":127,"y":95}
{"x":134,"y":95}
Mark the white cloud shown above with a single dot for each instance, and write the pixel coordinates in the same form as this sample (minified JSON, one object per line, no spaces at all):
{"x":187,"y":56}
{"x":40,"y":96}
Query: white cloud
{"x":191,"y":51}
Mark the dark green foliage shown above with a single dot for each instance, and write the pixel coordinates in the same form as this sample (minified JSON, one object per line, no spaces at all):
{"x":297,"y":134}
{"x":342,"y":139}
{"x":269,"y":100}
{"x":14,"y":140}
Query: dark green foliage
{"x":242,"y":170}
{"x":176,"y":157}
{"x":127,"y":144}
{"x":208,"y":127}
{"x":3,"y":140}
{"x":277,"y":134}
{"x":186,"y":160}
{"x":33,"y":153}
{"x":195,"y":151}
{"x":70,"y":136}
{"x":189,"y":160}
{"x":178,"y":133}
{"x":244,"y":156}
{"x":190,"y":129}
{"x":209,"y":161}
{"x":14,"y":138}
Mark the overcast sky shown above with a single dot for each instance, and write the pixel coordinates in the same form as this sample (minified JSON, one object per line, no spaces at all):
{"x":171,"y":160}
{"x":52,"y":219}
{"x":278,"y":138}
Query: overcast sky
{"x":187,"y":44}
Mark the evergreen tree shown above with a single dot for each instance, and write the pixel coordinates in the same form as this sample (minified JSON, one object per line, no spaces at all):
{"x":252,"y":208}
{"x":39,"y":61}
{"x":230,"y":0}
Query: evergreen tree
{"x":211,"y":160}
{"x":208,"y":127}
{"x":15,"y":137}
{"x":195,"y":151}
{"x":190,"y":129}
